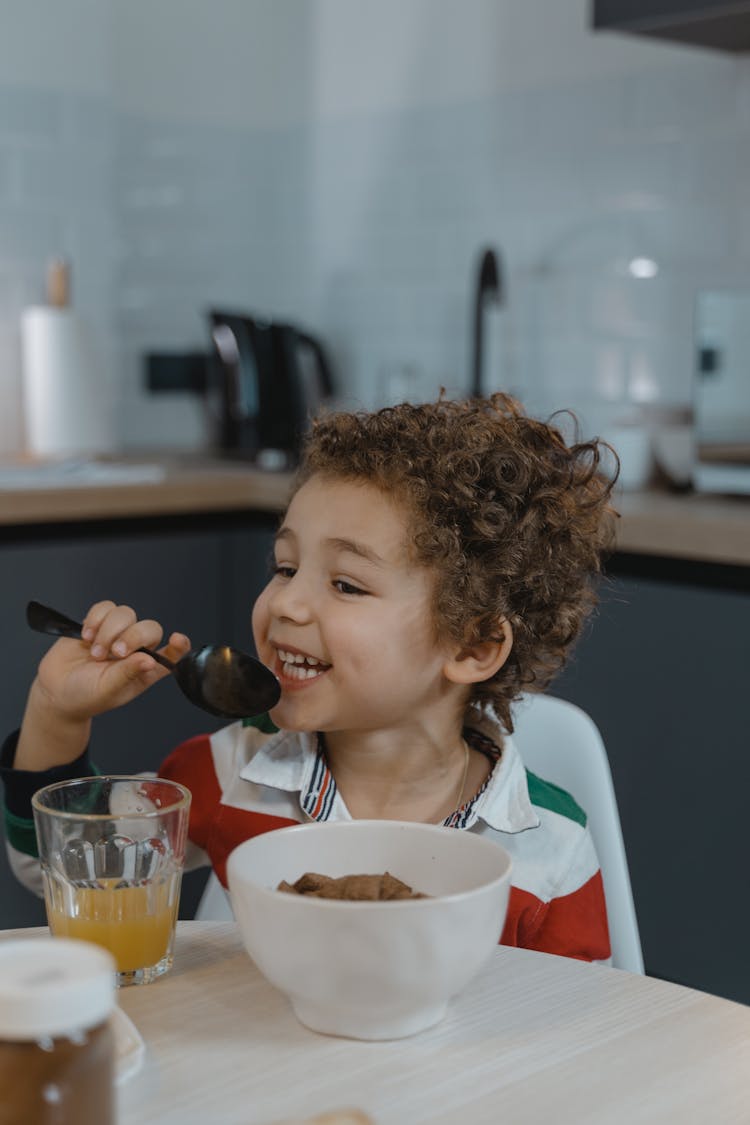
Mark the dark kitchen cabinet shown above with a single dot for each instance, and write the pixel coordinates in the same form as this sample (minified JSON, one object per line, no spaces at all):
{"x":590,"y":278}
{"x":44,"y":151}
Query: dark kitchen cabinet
{"x":663,"y":671}
{"x":721,"y":24}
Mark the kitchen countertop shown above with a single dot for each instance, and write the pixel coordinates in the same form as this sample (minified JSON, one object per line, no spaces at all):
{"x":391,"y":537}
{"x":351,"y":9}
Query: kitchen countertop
{"x":698,"y":527}
{"x":695,"y":526}
{"x":179,"y":486}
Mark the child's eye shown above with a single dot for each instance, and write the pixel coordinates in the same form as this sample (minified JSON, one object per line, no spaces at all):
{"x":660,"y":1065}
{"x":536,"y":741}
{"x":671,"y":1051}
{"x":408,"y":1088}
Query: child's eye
{"x":347,"y":587}
{"x":281,"y":571}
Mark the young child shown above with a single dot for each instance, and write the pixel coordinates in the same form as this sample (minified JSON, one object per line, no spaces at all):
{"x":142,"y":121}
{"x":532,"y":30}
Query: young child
{"x":435,"y":562}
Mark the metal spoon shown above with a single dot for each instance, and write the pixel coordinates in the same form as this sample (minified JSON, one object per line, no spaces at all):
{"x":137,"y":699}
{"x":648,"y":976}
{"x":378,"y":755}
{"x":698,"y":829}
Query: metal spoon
{"x":217,"y":678}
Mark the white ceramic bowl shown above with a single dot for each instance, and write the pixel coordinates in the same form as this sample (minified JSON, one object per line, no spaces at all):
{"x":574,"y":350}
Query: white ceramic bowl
{"x":371,"y":970}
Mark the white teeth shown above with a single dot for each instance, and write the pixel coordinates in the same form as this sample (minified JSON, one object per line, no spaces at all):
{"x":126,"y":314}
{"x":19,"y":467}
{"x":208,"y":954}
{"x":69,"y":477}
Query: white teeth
{"x":296,"y":672}
{"x":300,"y":667}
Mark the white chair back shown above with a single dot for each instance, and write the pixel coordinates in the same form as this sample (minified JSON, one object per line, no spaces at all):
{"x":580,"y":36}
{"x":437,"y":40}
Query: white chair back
{"x":561,"y":743}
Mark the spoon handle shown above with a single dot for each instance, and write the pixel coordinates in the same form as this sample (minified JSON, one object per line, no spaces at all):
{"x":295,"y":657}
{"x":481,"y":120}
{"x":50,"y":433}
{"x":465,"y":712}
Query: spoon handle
{"x":44,"y":619}
{"x":165,"y":663}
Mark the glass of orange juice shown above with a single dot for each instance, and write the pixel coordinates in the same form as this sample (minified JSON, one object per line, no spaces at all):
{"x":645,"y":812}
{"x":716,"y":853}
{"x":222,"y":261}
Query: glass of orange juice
{"x":112,"y":851}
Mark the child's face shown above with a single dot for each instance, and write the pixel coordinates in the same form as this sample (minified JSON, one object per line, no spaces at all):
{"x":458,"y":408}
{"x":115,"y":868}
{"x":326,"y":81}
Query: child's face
{"x":346,"y":595}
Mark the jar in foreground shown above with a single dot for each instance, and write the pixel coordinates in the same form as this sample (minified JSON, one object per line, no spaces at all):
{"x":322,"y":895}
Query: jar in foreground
{"x":56,"y":1042}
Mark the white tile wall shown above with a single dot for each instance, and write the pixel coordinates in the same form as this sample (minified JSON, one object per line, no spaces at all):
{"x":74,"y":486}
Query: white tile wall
{"x":56,"y":200}
{"x":365,"y":223}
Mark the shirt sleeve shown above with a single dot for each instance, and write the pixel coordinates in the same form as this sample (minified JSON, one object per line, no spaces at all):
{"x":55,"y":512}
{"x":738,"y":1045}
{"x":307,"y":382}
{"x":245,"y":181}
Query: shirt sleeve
{"x":20,"y":787}
{"x":191,"y":764}
{"x":574,"y":923}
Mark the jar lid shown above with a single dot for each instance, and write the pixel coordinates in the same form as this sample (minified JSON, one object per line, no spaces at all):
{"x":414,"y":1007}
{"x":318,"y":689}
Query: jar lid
{"x":50,"y":986}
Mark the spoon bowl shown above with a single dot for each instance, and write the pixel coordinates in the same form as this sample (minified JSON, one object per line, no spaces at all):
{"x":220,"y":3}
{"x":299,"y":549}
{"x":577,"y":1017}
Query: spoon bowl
{"x":216,"y":678}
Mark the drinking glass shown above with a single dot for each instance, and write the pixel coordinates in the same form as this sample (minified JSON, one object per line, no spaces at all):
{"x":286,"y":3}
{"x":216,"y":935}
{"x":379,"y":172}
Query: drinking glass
{"x":112,"y":851}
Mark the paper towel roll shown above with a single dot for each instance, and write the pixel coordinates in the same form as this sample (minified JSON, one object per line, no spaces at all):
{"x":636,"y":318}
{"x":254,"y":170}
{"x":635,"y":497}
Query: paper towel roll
{"x":66,"y":398}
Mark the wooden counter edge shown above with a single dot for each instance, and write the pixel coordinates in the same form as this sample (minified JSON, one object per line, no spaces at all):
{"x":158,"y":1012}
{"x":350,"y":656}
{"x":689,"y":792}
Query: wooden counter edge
{"x":698,"y":527}
{"x":179,"y":493}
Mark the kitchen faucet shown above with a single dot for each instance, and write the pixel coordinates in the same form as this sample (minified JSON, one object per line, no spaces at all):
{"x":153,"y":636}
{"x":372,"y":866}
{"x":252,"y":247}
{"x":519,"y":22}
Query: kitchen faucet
{"x":489,"y":288}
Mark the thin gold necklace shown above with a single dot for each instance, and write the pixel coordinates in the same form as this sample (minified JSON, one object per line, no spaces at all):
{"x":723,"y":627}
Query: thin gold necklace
{"x":467,"y":753}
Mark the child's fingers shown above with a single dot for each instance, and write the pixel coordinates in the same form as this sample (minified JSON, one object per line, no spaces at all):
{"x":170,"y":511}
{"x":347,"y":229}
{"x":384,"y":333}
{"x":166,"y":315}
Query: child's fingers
{"x":93,"y":619}
{"x":104,"y":624}
{"x":141,"y":634}
{"x":148,"y":634}
{"x":177,"y":647}
{"x":123,"y":680}
{"x":140,"y":667}
{"x":119,"y":632}
{"x":115,"y":631}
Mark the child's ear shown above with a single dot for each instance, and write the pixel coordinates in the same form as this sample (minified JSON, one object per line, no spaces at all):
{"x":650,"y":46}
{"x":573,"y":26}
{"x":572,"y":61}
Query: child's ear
{"x":472,"y":664}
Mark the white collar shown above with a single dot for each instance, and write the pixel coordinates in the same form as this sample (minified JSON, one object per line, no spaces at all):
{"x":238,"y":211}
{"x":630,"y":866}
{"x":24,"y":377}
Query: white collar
{"x":291,"y":761}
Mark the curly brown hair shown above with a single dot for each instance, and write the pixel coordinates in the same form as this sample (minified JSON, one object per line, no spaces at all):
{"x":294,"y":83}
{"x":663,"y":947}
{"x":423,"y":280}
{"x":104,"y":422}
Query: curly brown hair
{"x":512,"y":521}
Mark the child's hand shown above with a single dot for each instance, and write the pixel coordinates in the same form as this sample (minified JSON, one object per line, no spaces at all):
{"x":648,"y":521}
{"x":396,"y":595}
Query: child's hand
{"x":80,"y":679}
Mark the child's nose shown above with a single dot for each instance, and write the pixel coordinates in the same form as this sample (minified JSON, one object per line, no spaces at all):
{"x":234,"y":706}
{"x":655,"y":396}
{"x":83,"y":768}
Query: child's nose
{"x":291,"y":600}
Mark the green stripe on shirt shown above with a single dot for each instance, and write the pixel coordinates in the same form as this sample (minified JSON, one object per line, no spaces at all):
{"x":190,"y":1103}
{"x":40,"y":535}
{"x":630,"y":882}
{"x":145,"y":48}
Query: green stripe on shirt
{"x":262,"y":722}
{"x":21,"y":834}
{"x":545,"y":795}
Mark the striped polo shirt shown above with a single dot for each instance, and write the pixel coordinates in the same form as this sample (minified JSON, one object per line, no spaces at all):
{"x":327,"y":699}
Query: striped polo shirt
{"x":246,"y":781}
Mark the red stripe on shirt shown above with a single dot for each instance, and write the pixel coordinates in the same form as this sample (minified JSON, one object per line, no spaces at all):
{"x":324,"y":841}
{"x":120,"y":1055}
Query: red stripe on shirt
{"x":322,"y":794}
{"x":231,"y":827}
{"x":574,"y":925}
{"x":192,"y":765}
{"x":213,"y":826}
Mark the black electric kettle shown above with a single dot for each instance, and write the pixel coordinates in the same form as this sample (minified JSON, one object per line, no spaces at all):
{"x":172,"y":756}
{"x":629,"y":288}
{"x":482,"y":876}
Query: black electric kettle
{"x":265,"y":382}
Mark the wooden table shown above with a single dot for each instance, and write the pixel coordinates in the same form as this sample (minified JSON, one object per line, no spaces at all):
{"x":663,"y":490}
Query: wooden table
{"x":536,"y":1039}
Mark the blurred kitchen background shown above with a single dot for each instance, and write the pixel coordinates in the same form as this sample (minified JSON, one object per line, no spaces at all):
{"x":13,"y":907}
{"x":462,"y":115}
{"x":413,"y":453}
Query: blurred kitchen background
{"x":402,"y":195}
{"x":341,"y":165}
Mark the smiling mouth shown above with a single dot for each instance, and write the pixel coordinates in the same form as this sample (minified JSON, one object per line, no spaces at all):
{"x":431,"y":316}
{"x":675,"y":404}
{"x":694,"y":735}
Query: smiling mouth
{"x":297,"y":666}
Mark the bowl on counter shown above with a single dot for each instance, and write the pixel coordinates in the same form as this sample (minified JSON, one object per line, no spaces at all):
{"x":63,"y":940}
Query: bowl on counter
{"x":370,"y":969}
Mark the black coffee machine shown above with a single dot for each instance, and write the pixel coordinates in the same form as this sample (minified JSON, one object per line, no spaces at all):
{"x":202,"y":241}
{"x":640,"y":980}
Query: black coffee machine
{"x":265,"y":381}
